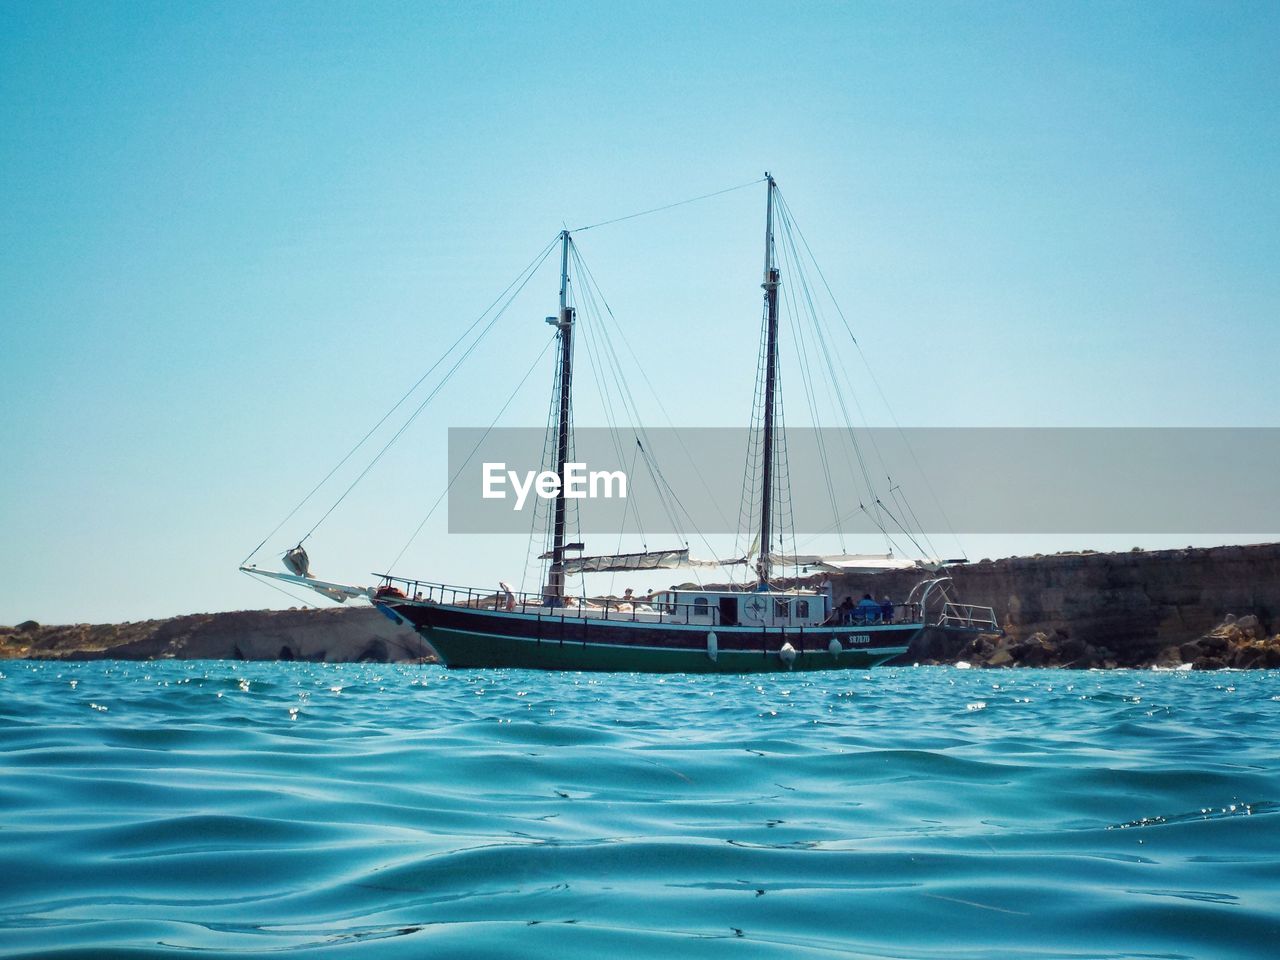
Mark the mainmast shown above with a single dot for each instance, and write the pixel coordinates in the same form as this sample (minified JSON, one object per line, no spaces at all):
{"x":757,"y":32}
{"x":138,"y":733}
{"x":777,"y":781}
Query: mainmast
{"x":770,"y":285}
{"x":554,"y":593}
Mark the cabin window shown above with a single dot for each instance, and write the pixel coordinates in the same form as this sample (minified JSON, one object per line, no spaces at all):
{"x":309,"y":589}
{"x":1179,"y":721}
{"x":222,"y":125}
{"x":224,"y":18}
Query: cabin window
{"x":780,"y":609}
{"x":700,"y":607}
{"x":802,"y":609}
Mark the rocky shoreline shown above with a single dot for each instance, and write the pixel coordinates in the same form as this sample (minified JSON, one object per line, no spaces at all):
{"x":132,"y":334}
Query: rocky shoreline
{"x":1238,"y":644}
{"x":1190,"y":609}
{"x":1201,"y":608}
{"x":342,"y":634}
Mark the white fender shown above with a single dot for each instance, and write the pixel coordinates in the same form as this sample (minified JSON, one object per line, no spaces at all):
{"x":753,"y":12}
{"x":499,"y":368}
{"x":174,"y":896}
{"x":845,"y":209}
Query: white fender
{"x":787,"y":655}
{"x":713,"y":646}
{"x":835,"y":647}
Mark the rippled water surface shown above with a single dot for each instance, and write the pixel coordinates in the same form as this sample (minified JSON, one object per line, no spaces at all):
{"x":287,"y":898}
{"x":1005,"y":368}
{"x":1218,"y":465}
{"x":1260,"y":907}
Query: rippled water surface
{"x":315,"y":810}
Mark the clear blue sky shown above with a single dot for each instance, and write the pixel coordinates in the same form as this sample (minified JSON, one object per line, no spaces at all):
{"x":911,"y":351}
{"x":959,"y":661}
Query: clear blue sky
{"x":231,"y":234}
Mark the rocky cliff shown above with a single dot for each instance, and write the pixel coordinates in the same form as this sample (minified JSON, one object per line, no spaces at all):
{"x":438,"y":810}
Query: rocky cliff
{"x":1128,"y":608}
{"x":339,"y":634}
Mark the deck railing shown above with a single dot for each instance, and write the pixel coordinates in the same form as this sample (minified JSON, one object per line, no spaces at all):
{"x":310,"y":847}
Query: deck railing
{"x":950,"y":614}
{"x":969,"y":616}
{"x":647,"y":609}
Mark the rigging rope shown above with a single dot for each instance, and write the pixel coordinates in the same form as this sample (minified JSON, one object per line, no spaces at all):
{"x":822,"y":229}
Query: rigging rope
{"x":458,"y":472}
{"x":875,"y":382}
{"x":526,"y":273}
{"x":603,"y":349}
{"x":669,"y":206}
{"x":422,"y":406}
{"x":541,"y":508}
{"x":752,"y":494}
{"x":798,"y":333}
{"x":890,"y":515}
{"x":267,"y":583}
{"x":628,"y":401}
{"x":831,"y":369}
{"x":591,"y":316}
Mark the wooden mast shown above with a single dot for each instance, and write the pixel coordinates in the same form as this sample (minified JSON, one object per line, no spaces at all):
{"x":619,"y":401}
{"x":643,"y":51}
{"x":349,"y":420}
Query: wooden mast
{"x":554,"y":593}
{"x":770,"y":285}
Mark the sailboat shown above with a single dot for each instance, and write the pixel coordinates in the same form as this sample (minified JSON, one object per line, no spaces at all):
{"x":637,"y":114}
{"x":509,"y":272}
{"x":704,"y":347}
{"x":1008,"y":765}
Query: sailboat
{"x":761,"y":627}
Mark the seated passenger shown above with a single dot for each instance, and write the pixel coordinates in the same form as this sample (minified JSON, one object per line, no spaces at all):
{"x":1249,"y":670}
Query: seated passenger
{"x":886,"y":610}
{"x":867,"y":610}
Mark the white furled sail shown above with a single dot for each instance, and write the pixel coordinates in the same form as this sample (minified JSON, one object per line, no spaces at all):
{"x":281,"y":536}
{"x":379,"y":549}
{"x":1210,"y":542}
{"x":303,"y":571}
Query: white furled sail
{"x":334,"y":591}
{"x":298,"y":562}
{"x":648,"y":560}
{"x":849,"y":562}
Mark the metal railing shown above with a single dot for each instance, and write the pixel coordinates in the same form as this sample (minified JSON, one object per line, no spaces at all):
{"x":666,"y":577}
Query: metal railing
{"x":950,"y":613}
{"x":649,"y":609}
{"x":968,"y":616}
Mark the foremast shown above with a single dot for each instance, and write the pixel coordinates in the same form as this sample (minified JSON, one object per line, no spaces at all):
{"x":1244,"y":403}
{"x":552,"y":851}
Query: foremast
{"x":554,"y":593}
{"x":771,"y":283}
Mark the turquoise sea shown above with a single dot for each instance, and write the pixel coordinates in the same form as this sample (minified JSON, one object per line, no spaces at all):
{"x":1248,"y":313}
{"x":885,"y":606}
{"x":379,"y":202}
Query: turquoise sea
{"x":187,"y":809}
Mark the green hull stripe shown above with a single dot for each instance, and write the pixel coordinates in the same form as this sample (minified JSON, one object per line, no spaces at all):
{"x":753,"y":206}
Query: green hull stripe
{"x":468,"y":649}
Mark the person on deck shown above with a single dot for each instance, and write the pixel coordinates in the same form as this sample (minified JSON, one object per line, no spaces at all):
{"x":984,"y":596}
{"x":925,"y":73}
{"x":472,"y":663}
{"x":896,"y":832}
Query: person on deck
{"x":886,"y":609}
{"x":867,"y":610}
{"x":844,"y":612}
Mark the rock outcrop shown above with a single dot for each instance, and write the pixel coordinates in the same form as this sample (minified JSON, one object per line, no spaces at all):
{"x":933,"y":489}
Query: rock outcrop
{"x":1241,"y":643}
{"x":1095,"y":609}
{"x":340,"y":634}
{"x":1237,"y":643}
{"x":1037,"y":650}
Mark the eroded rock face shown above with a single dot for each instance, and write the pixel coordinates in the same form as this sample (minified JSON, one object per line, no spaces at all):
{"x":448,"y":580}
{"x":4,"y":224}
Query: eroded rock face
{"x":1038,"y":650}
{"x":1238,"y":644}
{"x":1241,"y":643}
{"x":1129,"y":609}
{"x":340,"y":634}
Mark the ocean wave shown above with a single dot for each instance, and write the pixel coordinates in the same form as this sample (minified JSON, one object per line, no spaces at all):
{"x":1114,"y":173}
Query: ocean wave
{"x":330,"y":810}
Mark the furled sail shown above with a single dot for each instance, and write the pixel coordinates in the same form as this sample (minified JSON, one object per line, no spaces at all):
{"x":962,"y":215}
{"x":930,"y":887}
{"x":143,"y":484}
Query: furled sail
{"x":849,"y":562}
{"x":298,"y":562}
{"x":334,"y":591}
{"x":647,"y":560}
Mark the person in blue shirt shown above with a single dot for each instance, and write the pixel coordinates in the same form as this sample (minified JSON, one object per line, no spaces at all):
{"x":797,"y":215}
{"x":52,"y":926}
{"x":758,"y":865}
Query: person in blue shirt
{"x":867,"y":610}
